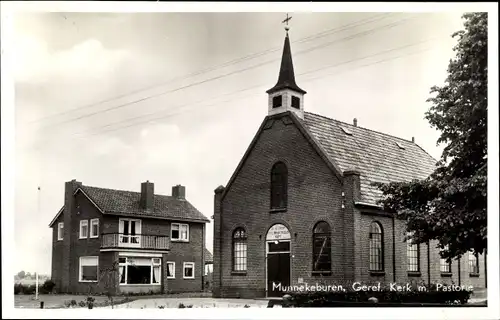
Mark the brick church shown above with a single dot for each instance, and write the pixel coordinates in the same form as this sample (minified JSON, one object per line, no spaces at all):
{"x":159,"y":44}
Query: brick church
{"x":300,"y":207}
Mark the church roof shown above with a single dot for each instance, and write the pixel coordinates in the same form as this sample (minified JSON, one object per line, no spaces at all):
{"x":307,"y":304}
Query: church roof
{"x":286,"y":79}
{"x":122,"y":202}
{"x":378,"y":157}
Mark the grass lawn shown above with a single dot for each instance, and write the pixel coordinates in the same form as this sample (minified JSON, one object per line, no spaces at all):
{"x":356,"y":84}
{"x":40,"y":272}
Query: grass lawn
{"x":50,"y":300}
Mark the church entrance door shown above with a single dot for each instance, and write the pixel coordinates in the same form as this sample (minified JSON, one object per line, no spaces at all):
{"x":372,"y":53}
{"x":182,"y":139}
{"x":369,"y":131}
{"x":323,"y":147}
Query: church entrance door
{"x":278,"y":260}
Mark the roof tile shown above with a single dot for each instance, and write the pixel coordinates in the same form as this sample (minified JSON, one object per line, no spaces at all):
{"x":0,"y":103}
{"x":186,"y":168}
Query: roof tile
{"x":374,"y":154}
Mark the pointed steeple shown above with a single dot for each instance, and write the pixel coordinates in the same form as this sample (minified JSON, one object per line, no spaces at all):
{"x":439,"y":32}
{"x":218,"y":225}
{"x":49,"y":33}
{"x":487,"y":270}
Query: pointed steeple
{"x":286,"y":96}
{"x":286,"y":79}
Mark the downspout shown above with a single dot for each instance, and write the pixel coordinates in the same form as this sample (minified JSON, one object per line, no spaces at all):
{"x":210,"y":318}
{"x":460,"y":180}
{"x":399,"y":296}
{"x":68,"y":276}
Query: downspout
{"x":393,"y":248}
{"x":429,"y":262}
{"x":203,"y":257}
{"x":485,"y":269}
{"x":459,"y":277}
{"x":220,"y":249}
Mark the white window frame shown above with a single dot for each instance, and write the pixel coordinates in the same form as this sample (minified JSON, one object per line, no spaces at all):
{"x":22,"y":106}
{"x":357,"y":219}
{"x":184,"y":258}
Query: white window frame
{"x":132,"y":241}
{"x":179,"y":225}
{"x":82,"y":224}
{"x":152,"y":265}
{"x":186,"y":264}
{"x":92,"y":221}
{"x":80,"y":268}
{"x":60,"y":231}
{"x":173,"y":273}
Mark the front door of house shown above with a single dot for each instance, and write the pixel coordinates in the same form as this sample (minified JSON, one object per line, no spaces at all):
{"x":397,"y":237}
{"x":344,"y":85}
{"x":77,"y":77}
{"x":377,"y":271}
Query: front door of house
{"x":278,"y":260}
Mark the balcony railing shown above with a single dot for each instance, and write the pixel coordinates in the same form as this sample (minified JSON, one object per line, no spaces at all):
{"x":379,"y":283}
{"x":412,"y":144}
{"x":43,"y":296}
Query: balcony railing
{"x":140,"y":241}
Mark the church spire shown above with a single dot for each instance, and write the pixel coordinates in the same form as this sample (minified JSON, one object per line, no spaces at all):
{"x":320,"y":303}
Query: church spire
{"x":286,"y":95}
{"x":286,"y":77}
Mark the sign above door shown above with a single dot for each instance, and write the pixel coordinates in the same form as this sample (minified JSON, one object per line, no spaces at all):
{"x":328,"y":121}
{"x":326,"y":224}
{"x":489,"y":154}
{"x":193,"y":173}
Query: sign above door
{"x":278,"y":232}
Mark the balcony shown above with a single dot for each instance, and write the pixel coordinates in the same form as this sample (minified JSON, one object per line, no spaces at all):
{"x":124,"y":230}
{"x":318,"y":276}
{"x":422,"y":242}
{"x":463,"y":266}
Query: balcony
{"x":138,"y":241}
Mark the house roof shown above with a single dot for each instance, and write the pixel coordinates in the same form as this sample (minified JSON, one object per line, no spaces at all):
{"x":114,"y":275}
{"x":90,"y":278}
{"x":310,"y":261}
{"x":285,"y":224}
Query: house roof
{"x":378,"y":157}
{"x":121,"y":202}
{"x":209,"y":258}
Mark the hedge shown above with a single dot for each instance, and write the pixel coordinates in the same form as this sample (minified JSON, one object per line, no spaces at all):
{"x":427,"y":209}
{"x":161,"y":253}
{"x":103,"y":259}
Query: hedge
{"x":330,"y":299}
{"x":45,"y":288}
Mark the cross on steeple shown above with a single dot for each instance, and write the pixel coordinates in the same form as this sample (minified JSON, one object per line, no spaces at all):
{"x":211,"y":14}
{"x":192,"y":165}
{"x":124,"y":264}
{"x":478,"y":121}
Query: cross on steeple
{"x":286,"y":23}
{"x":287,"y":19}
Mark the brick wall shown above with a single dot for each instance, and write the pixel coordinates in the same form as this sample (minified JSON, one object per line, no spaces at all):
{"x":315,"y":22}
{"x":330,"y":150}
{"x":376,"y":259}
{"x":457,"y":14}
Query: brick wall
{"x":66,"y":253}
{"x":314,"y":194}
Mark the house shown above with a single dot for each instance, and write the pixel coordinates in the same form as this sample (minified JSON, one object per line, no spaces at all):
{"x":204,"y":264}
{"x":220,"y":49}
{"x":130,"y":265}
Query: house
{"x":209,"y":264}
{"x":300,"y":207}
{"x":127,"y":242}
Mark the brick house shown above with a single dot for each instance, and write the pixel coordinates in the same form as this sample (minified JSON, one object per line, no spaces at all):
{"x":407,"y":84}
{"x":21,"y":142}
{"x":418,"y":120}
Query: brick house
{"x":300,"y":208}
{"x":127,"y":242}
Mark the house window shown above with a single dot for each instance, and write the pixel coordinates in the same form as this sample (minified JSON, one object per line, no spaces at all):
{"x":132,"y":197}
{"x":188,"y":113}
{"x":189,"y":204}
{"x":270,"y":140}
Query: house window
{"x":322,"y":247}
{"x":473,"y":263}
{"x":376,"y":247}
{"x":84,"y":229}
{"x":277,"y":101}
{"x":170,"y":270}
{"x":138,"y":270}
{"x":239,"y":250}
{"x":130,"y":230}
{"x":295,"y":102}
{"x":188,"y":270}
{"x":279,"y":186}
{"x":444,"y":265}
{"x":89,"y":267}
{"x":413,"y":255}
{"x":60,"y":231}
{"x":94,"y":228}
{"x":179,"y":232}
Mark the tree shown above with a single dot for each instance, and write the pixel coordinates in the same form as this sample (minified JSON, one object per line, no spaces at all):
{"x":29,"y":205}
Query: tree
{"x":450,"y":206}
{"x":21,"y":274}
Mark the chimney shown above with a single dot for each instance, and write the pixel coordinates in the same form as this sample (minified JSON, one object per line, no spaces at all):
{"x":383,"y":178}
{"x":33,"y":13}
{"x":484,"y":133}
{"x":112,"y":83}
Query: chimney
{"x":179,"y":192}
{"x":355,"y":122}
{"x":413,"y":139}
{"x":147,"y":195}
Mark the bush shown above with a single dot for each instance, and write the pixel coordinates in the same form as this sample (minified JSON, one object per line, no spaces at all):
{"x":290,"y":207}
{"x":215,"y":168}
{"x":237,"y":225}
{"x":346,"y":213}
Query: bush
{"x":82,"y":304}
{"x":48,"y":286}
{"x":181,"y":305}
{"x":329,"y":299}
{"x":18,"y":288}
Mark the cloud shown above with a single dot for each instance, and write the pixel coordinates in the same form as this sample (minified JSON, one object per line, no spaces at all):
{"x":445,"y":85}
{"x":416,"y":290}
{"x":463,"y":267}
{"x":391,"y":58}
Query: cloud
{"x":89,"y":59}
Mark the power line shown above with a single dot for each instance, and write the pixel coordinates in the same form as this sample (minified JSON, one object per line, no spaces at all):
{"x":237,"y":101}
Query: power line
{"x":220,"y":102}
{"x":231,"y":73}
{"x":260,"y":85}
{"x":225,"y":64}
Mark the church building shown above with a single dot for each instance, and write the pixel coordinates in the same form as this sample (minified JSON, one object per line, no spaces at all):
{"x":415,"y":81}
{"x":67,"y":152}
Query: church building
{"x":300,"y":208}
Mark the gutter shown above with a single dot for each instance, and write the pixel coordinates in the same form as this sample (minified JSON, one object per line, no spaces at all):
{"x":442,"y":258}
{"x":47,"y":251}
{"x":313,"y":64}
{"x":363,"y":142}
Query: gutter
{"x":429,"y":262}
{"x":393,"y":249}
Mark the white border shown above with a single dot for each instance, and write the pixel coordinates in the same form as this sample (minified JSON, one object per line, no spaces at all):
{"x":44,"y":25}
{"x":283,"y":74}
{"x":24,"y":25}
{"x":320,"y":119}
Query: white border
{"x":8,"y":160}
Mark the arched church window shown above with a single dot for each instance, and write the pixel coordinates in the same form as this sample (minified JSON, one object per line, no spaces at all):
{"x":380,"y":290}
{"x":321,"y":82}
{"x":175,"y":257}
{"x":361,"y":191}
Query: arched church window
{"x":322,"y":247}
{"x":239,"y":250}
{"x":279,"y":186}
{"x":376,"y":247}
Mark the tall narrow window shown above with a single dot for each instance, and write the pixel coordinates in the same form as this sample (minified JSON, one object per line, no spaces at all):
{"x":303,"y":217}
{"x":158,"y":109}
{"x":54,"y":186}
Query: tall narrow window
{"x":279,"y":186}
{"x":413,"y":255}
{"x":277,"y":101}
{"x":473,"y":263}
{"x":444,"y":265}
{"x":84,"y":229}
{"x":239,"y":250}
{"x":376,"y":247}
{"x":60,"y":231}
{"x":170,"y":270}
{"x":295,"y":102}
{"x":94,"y":228}
{"x":322,"y":247}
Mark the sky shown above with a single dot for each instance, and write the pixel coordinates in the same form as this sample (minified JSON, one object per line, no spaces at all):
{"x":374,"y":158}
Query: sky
{"x":115,"y":99}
